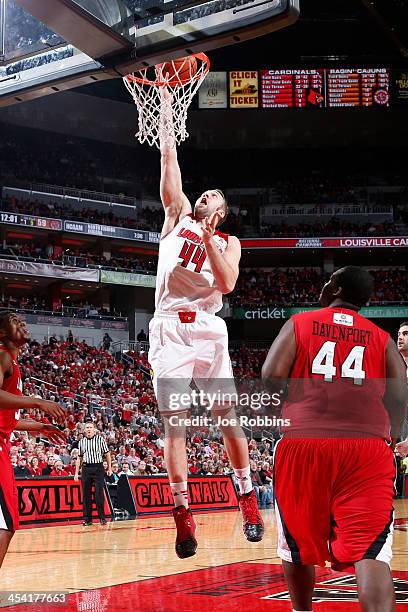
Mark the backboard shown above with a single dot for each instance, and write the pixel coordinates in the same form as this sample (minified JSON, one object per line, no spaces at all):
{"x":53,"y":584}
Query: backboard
{"x":163,"y":26}
{"x":53,"y":45}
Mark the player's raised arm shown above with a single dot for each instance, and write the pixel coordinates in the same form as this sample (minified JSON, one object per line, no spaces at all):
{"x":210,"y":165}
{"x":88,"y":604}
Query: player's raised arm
{"x":396,"y":394}
{"x":175,"y":203}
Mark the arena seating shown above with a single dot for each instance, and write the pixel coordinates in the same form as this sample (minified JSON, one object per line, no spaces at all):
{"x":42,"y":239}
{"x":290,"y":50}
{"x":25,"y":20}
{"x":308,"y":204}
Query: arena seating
{"x":118,"y":395}
{"x":301,"y":286}
{"x":149,"y":219}
{"x":72,"y":162}
{"x":70,"y":257}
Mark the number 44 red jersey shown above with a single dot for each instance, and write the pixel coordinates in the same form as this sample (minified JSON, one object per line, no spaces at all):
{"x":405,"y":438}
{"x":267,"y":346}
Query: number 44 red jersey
{"x":338,"y":377}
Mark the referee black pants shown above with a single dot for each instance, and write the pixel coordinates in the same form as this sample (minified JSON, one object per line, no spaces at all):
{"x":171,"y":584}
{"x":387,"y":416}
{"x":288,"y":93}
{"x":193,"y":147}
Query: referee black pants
{"x":93,"y":473}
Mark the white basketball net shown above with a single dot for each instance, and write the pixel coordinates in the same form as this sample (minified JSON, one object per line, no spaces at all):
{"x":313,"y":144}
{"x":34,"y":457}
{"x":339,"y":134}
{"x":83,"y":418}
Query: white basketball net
{"x":163,"y":116}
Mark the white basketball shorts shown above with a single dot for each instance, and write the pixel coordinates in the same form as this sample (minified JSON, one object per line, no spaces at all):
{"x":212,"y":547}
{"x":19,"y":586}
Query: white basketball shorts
{"x":186,"y":347}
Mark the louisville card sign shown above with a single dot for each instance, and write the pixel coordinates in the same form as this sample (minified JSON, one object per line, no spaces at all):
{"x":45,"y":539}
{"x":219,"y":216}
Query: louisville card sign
{"x":51,"y":499}
{"x":153,"y":494}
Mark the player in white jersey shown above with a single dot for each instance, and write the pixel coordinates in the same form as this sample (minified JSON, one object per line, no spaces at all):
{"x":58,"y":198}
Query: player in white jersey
{"x":401,"y":448}
{"x":197,"y":265}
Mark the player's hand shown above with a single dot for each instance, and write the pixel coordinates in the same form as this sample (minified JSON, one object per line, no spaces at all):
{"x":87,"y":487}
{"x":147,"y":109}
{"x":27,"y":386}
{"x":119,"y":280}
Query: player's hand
{"x":401,"y":449}
{"x":209,"y":225}
{"x":52,"y":408}
{"x":53,"y":434}
{"x":76,"y":477}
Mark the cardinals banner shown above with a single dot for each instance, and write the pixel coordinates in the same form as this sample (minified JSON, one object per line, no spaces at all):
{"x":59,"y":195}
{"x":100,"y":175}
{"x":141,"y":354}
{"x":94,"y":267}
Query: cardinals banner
{"x":152,"y":494}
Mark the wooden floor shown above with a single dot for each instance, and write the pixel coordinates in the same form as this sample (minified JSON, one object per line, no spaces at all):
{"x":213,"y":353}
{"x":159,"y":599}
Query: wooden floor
{"x":132,"y":565}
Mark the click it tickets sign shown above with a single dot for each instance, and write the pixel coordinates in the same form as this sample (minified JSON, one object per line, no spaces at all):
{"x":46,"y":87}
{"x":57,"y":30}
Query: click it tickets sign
{"x":213,"y":92}
{"x":244,"y":89}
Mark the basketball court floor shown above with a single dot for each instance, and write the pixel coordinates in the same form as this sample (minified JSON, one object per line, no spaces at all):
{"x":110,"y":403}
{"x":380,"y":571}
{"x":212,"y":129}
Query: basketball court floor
{"x":131,"y":565}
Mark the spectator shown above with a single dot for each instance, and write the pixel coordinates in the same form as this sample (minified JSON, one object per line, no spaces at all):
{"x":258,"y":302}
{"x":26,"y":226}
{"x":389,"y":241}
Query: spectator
{"x":34,"y":467}
{"x":114,"y":477}
{"x":46,"y":471}
{"x":141,"y":470}
{"x":260,"y":489}
{"x":265,"y":474}
{"x":204,"y":471}
{"x":106,"y":342}
{"x":58,"y":469}
{"x":126,"y":471}
{"x":141,"y":336}
{"x":70,"y":469}
{"x":21,"y":470}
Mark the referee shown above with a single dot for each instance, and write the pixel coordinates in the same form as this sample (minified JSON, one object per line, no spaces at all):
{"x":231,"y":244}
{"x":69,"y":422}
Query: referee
{"x":92,"y":451}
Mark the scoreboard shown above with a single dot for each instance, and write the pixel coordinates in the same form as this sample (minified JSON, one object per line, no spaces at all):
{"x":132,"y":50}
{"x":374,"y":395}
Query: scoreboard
{"x":292,"y":88}
{"x":358,"y":87}
{"x":325,"y":88}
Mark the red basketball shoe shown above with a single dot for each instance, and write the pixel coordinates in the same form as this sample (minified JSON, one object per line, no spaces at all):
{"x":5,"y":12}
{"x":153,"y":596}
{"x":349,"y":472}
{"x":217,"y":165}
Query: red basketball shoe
{"x":186,"y":544}
{"x":252,"y":522}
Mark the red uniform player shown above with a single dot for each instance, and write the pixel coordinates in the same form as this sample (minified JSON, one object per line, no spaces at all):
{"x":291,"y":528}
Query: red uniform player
{"x":333,"y":468}
{"x":13,"y":335}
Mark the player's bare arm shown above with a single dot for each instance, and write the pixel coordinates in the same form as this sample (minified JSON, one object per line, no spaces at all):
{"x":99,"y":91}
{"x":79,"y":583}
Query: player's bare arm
{"x":224,"y":266}
{"x":45,"y":429}
{"x":175,"y":202}
{"x":9,"y":401}
{"x":281,"y":356}
{"x":396,"y":394}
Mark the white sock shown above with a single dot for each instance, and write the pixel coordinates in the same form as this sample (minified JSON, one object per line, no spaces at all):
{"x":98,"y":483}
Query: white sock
{"x":180,"y":493}
{"x":243,"y":475}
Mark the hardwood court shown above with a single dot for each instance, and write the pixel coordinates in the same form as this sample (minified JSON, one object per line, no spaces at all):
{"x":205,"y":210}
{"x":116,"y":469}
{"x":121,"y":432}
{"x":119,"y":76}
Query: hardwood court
{"x":131,"y":565}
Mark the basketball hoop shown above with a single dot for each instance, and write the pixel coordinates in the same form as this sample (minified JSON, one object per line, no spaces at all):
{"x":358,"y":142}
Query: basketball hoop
{"x":163,"y":116}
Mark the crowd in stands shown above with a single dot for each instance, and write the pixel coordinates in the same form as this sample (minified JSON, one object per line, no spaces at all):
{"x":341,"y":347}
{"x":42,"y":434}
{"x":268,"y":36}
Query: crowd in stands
{"x":255,"y":287}
{"x":118,"y":396}
{"x":334,"y":227}
{"x":71,"y":257}
{"x":318,"y":188}
{"x":144,"y":218}
{"x":72,"y":162}
{"x":42,"y":304}
{"x":116,"y":262}
{"x":36,"y":156}
{"x":151,"y":219}
{"x":302,"y":286}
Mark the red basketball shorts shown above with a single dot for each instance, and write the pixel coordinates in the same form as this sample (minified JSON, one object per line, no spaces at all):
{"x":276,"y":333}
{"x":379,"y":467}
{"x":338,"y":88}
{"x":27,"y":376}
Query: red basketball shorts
{"x":333,"y":500}
{"x":9,"y":517}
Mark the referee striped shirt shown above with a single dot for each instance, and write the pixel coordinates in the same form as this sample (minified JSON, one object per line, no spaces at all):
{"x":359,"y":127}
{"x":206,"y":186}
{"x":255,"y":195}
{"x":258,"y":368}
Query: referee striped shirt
{"x":93,"y":449}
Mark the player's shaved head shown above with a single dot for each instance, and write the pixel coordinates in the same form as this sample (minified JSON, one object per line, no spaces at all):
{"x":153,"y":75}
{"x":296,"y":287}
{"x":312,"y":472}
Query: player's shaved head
{"x":350,"y":284}
{"x":356,"y":284}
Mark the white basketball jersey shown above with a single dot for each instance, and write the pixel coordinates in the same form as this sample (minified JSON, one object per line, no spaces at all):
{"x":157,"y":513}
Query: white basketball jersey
{"x":184,"y":277}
